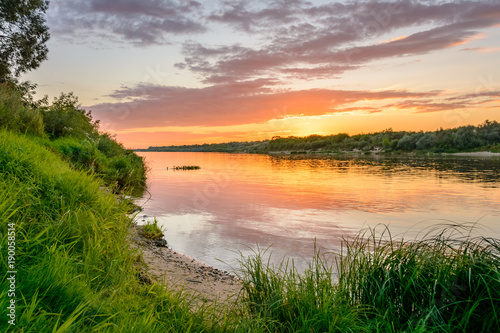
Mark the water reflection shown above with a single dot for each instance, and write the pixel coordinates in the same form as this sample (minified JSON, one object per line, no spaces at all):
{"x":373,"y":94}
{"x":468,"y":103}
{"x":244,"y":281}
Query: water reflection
{"x":237,"y":201}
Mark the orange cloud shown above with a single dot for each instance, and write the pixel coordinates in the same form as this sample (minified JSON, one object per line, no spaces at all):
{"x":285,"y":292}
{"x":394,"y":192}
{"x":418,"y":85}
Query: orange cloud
{"x":393,"y":39}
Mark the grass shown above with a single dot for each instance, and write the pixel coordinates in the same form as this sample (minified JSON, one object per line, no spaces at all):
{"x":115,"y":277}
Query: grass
{"x":186,"y":167}
{"x":446,"y":282}
{"x":75,"y":270}
{"x":152,"y":231}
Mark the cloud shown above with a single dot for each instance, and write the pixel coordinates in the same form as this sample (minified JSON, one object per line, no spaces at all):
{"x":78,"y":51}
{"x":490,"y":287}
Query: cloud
{"x":457,"y":102}
{"x":482,"y":49}
{"x":290,"y":40}
{"x":227,"y":104}
{"x":297,"y":39}
{"x":307,"y":41}
{"x":138,"y":22}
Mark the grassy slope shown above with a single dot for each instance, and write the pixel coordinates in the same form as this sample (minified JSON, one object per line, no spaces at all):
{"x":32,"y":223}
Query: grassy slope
{"x":74,"y":268}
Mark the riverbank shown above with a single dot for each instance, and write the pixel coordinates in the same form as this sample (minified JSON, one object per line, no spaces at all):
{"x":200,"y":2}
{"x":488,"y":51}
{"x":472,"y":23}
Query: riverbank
{"x":382,"y":153}
{"x":477,"y":154}
{"x":72,"y":267}
{"x":182,"y":273}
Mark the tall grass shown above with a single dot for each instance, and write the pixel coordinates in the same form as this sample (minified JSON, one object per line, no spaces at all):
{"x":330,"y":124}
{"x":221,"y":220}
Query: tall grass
{"x":446,"y":282}
{"x":282,"y":299}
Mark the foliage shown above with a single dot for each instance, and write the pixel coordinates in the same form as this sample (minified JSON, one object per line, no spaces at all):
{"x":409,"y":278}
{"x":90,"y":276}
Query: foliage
{"x":70,"y":131}
{"x":465,"y":138}
{"x":16,"y":116}
{"x":65,"y":118}
{"x":23,"y":35}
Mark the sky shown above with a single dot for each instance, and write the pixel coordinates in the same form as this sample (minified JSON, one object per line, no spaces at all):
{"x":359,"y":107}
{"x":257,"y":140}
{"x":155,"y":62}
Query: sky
{"x":159,"y":72}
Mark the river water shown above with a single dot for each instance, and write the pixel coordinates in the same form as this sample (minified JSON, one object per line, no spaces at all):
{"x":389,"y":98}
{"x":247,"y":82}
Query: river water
{"x":238,"y":203}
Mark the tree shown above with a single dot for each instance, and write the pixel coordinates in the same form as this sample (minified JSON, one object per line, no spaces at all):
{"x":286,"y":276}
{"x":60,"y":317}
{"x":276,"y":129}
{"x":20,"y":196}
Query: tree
{"x":65,"y":118}
{"x":427,"y":141}
{"x":23,"y":35}
{"x":467,"y":138}
{"x":409,"y":141}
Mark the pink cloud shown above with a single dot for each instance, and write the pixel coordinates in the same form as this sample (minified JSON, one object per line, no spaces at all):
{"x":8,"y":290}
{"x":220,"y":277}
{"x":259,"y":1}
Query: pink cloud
{"x":227,"y":104}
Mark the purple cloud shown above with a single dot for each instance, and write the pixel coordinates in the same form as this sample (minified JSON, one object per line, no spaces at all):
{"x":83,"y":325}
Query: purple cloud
{"x":139,"y":22}
{"x":308,"y":41}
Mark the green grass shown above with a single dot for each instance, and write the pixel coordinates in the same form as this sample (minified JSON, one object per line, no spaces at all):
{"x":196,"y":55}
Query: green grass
{"x":446,"y":282}
{"x":280,"y":299}
{"x":151,"y":230}
{"x":75,"y":270}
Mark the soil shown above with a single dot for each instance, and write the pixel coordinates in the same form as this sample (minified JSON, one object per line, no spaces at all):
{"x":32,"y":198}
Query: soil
{"x":181,"y":273}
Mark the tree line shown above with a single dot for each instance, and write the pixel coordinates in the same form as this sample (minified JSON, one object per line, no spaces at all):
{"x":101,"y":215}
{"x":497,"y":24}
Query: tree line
{"x":485,"y":136}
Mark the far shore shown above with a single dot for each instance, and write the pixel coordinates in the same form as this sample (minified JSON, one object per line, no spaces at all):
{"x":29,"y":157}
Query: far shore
{"x":351,"y":152}
{"x":476,"y":154}
{"x":383,"y":153}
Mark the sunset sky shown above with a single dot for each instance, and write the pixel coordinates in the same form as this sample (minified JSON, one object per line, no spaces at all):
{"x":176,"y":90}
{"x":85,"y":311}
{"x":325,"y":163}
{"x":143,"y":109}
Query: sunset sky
{"x":158,"y":72}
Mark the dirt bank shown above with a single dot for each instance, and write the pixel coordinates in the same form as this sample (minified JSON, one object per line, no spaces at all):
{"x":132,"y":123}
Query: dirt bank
{"x":180,"y":272}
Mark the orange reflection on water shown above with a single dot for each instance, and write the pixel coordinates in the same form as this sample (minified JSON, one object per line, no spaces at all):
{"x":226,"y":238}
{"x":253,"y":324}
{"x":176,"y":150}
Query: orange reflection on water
{"x":236,"y":201}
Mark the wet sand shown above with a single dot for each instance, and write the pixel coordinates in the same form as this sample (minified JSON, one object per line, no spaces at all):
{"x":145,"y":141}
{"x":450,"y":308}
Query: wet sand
{"x":182,"y":273}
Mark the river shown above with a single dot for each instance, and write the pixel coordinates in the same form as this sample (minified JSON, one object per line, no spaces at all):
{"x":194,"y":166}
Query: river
{"x":238,"y":203}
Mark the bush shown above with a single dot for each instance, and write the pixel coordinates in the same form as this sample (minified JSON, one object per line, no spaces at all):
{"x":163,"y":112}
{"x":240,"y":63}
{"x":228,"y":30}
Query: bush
{"x":65,"y":118}
{"x":16,"y":116}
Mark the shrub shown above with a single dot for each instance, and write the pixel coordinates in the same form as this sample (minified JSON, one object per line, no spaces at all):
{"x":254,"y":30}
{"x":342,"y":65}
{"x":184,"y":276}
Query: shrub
{"x":16,"y":116}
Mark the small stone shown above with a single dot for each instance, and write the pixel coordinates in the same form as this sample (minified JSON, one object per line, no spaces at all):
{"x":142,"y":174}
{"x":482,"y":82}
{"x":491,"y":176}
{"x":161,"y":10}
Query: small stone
{"x":160,"y":242}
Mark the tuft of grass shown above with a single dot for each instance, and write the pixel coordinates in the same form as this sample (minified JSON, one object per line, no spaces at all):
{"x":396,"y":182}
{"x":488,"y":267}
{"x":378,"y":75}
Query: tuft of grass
{"x":280,"y":299}
{"x":151,"y":230}
{"x":186,"y":167}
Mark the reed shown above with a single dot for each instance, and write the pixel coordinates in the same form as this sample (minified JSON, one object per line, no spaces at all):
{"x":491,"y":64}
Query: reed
{"x":447,"y":281}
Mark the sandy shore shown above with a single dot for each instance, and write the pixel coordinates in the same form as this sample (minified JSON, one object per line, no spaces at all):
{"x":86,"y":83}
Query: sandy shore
{"x":477,"y":154}
{"x":180,"y":272}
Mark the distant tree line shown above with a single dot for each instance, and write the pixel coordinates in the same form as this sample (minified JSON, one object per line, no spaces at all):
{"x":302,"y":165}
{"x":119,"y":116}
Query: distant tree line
{"x":485,"y":136}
